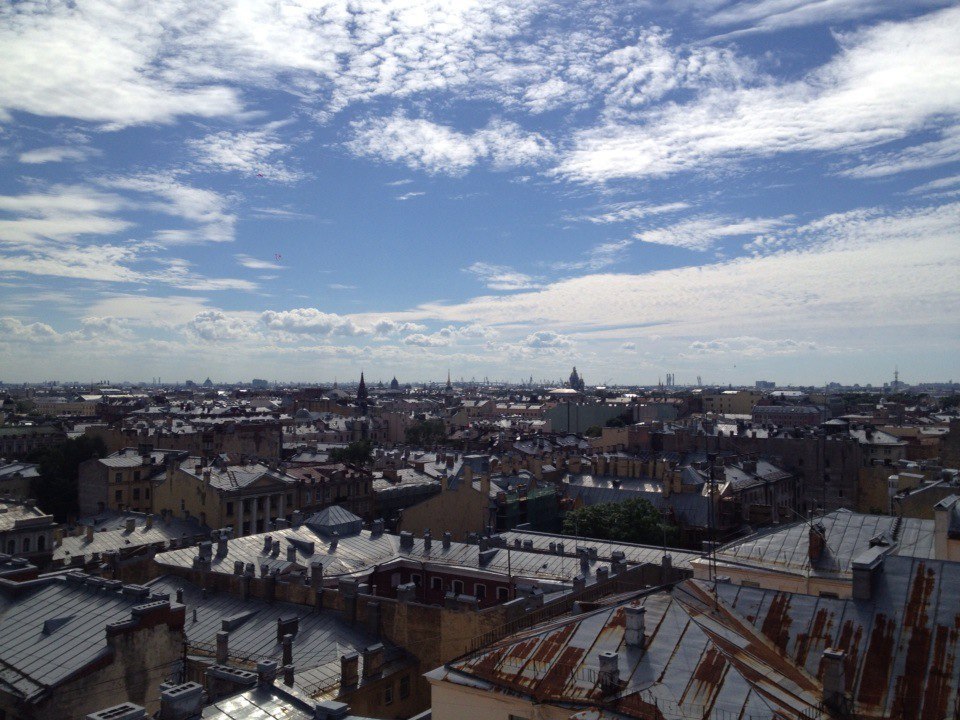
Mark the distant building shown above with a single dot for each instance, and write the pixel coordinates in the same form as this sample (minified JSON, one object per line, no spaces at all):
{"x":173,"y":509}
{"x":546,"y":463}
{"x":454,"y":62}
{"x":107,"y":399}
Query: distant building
{"x":789,"y":415}
{"x":25,"y":530}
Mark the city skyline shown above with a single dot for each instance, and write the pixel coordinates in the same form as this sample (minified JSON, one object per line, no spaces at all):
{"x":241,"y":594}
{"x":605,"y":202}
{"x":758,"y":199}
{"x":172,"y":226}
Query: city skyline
{"x":734,"y":190}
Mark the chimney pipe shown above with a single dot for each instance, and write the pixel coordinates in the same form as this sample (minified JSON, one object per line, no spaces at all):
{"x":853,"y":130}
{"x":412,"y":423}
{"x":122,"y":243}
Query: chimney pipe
{"x":223,"y":647}
{"x":288,"y":675}
{"x":636,"y":626}
{"x":834,"y":680}
{"x":349,"y":669}
{"x":266,"y":672}
{"x":287,"y":649}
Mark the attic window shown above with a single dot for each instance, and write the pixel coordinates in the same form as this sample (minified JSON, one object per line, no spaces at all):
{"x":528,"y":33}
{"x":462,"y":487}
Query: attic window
{"x":53,"y":624}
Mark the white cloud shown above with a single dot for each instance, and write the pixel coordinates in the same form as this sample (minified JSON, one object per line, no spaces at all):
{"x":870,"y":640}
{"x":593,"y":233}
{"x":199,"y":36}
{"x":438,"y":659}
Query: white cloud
{"x":425,"y":145}
{"x":700,"y":233}
{"x":410,"y":195}
{"x":748,"y":346}
{"x":421,"y":340}
{"x":773,"y":15}
{"x":250,"y":152}
{"x":386,"y":326}
{"x":216,"y":326}
{"x":207,"y":209}
{"x":918,"y":157}
{"x":547,"y":339}
{"x":40,"y":156}
{"x":631,"y":211}
{"x":887,"y":82}
{"x":258,"y":264}
{"x":14,"y":329}
{"x":815,"y":281}
{"x":311,"y":321}
{"x":598,"y":257}
{"x":501,"y":277}
{"x":944,"y":184}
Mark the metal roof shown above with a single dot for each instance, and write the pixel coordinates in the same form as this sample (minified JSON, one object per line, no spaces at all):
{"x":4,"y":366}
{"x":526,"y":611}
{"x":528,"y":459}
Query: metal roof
{"x":160,"y":534}
{"x":633,"y":552}
{"x":694,"y":664}
{"x":359,"y":554}
{"x":848,"y":534}
{"x":901,"y":645}
{"x":54,"y":630}
{"x":321,"y":638}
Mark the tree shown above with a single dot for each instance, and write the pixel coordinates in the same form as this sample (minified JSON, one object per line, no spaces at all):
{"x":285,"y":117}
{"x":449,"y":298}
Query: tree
{"x":356,"y":453}
{"x":634,"y":520}
{"x":593,"y":431}
{"x":56,"y":487}
{"x":428,"y":432}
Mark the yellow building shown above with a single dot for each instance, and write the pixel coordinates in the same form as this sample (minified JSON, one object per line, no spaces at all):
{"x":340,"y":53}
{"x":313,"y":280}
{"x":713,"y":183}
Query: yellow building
{"x":732,"y":402}
{"x":245,"y":497}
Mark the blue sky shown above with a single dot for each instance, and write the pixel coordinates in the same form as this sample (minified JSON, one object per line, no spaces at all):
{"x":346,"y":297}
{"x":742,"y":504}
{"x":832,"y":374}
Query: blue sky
{"x":726,"y":188}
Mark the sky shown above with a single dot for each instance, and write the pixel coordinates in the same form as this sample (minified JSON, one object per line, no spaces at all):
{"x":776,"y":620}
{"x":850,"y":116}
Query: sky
{"x":729,"y":189}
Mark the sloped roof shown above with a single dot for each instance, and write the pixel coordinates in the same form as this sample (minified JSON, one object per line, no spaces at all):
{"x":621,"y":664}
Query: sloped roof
{"x":335,"y":519}
{"x":55,"y":630}
{"x":695,"y":664}
{"x":901,"y":645}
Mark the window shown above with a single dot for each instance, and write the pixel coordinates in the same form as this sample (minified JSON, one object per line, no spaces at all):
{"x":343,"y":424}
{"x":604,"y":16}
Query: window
{"x":136,"y":493}
{"x":436,"y":583}
{"x":388,"y":694}
{"x":229,"y":509}
{"x":41,"y":543}
{"x":246,"y":506}
{"x":289,"y":499}
{"x":26,"y":545}
{"x":118,"y":496}
{"x":11,"y":547}
{"x":394,"y":579}
{"x":750,"y":583}
{"x":457,"y":587}
{"x":502,"y":593}
{"x":118,"y":477}
{"x":404,"y":687}
{"x":415,"y":579}
{"x":136,"y":475}
{"x":146,"y":493}
{"x":825,"y":594}
{"x":480,"y":590}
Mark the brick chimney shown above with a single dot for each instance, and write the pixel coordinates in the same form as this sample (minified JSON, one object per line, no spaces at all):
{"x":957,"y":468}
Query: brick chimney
{"x":817,"y":539}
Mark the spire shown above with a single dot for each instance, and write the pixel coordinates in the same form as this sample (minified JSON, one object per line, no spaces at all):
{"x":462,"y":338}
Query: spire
{"x":449,"y":384}
{"x":362,"y":388}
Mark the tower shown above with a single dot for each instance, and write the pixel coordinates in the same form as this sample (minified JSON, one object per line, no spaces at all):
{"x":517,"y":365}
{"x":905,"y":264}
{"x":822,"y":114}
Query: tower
{"x":362,"y":395}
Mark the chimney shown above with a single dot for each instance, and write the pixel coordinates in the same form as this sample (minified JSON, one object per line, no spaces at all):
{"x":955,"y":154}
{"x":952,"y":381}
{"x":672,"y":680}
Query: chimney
{"x":149,"y":522}
{"x":291,"y":553}
{"x":180,"y":595}
{"x":867,"y":566}
{"x":817,"y":540}
{"x":316,"y":575}
{"x":427,"y":540}
{"x":287,"y":649}
{"x":222,"y":544}
{"x":288,"y":675}
{"x":349,"y":669}
{"x":267,"y":544}
{"x":330,"y":710}
{"x":223,"y":647}
{"x":373,"y":618}
{"x":406,"y":540}
{"x":124,"y":711}
{"x":373,"y":661}
{"x":608,"y":672}
{"x":447,"y":536}
{"x":89,"y":533}
{"x":834,"y":680}
{"x":636,"y":626}
{"x":266,"y":672}
{"x":181,"y":702}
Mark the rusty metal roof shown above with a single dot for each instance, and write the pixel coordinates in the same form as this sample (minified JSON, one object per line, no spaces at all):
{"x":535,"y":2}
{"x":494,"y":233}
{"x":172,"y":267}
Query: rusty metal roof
{"x":901,"y":645}
{"x":697,"y":662}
